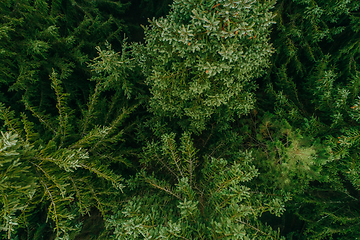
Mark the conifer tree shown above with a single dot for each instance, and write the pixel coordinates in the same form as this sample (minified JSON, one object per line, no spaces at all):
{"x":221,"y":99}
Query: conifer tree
{"x":60,"y":166}
{"x":185,"y":197}
{"x":38,"y":36}
{"x":234,"y":125}
{"x":200,"y":60}
{"x":313,"y":86}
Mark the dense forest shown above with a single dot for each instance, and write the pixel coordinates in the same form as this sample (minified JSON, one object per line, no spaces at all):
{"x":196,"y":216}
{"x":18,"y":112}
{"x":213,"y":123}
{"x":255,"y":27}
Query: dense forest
{"x":183,"y":119}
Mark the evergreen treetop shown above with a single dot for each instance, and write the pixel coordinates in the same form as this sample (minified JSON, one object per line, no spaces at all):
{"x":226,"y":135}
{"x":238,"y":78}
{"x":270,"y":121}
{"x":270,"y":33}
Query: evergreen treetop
{"x":202,"y":58}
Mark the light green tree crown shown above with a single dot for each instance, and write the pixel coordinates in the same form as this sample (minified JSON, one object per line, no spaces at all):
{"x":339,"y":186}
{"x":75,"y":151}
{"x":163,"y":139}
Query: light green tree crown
{"x":201,"y":58}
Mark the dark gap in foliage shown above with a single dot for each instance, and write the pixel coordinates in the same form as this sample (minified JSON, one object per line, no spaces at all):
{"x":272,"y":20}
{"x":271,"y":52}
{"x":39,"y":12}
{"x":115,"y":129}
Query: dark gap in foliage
{"x":138,"y":14}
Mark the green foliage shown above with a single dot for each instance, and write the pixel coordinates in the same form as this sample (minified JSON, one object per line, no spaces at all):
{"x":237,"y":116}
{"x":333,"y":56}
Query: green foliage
{"x":287,"y":160}
{"x":38,"y":36}
{"x":113,"y":69}
{"x":313,"y":86}
{"x":212,"y":126}
{"x":182,"y":199}
{"x":65,"y":170}
{"x":200,"y":60}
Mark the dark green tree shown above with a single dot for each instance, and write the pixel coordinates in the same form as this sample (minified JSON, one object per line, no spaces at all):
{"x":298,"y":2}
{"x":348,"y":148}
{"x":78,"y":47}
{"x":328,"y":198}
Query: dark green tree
{"x":61,"y":166}
{"x":38,"y":36}
{"x":312,"y":86}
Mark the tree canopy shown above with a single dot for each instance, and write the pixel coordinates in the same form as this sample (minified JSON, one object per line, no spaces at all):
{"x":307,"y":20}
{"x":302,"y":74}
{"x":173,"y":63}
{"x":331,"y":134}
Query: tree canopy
{"x":183,"y":119}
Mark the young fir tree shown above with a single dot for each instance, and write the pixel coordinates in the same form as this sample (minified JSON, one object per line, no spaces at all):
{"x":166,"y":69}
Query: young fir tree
{"x":56,"y":169}
{"x":200,"y":60}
